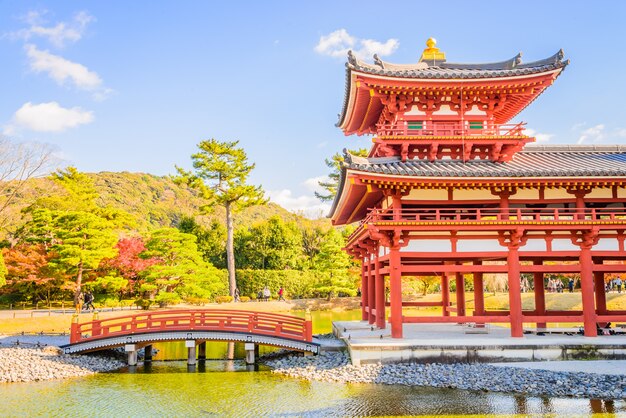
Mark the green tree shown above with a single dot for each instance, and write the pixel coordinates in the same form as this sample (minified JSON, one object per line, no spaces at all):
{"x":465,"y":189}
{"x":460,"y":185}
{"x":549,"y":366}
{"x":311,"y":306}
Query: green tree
{"x":334,"y":163}
{"x":221,"y":171}
{"x":211,"y":241}
{"x":3,"y":271}
{"x":70,"y":222}
{"x":270,"y":245}
{"x":312,"y":239}
{"x":334,"y":264}
{"x":84,"y":239}
{"x":180,"y":268}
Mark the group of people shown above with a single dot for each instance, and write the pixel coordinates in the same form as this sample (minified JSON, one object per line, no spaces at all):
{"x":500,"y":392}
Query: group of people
{"x":555,"y":285}
{"x":84,"y":301}
{"x":264,"y":295}
{"x":615,"y":285}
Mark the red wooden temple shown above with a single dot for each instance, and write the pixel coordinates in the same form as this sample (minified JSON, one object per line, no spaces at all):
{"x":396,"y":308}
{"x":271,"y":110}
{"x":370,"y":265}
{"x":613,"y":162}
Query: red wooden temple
{"x":450,"y":189}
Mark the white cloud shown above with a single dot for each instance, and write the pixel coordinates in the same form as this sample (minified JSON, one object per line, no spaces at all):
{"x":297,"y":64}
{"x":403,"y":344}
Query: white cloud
{"x":48,"y":117}
{"x":306,"y":204}
{"x":541,"y":138}
{"x":309,"y":206}
{"x":313,"y":184}
{"x":62,"y":70}
{"x":594,"y":134}
{"x":337,"y":44}
{"x":59,"y":34}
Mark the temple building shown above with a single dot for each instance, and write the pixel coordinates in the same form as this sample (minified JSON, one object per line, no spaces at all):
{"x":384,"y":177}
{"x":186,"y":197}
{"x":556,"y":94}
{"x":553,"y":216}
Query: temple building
{"x":452,"y":189}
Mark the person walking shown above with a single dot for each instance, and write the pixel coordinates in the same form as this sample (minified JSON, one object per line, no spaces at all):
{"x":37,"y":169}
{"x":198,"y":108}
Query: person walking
{"x":281,"y":293}
{"x":570,"y":285}
{"x":618,"y":284}
{"x":236,"y":296}
{"x":78,"y":301}
{"x":89,"y":301}
{"x":266,"y":293}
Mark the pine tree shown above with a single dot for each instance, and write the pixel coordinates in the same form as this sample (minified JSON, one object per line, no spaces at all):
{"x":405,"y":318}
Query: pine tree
{"x":335,"y":162}
{"x":84,"y":239}
{"x":221,"y":171}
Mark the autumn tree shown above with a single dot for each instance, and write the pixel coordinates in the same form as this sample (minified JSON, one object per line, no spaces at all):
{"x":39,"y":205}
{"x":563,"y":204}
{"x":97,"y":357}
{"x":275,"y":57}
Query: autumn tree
{"x":30,"y":274}
{"x":18,"y":163}
{"x":220,"y":173}
{"x":332,"y":183}
{"x":127,"y":265}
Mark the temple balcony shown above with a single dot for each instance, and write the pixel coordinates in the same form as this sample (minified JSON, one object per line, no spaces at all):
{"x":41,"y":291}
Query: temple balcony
{"x":429,"y":129}
{"x":456,"y":141}
{"x":492,"y":219}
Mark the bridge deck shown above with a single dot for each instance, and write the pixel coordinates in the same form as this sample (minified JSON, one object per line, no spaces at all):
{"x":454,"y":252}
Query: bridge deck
{"x":202,"y":325}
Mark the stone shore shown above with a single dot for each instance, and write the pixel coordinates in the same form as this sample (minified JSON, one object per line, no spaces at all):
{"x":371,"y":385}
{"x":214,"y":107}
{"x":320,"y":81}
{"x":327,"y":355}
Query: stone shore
{"x":48,"y":363}
{"x":336,"y":367}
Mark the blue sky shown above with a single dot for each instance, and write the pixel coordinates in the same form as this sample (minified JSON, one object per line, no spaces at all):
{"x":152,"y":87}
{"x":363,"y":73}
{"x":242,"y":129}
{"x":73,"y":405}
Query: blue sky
{"x":134,"y":86}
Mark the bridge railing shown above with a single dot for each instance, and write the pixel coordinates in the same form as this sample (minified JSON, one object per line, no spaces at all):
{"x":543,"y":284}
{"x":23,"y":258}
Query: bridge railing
{"x":261,"y":323}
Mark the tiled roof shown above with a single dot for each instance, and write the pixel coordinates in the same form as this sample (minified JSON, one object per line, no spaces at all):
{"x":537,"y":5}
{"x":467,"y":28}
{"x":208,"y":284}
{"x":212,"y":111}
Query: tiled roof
{"x":537,"y":161}
{"x":442,"y":69}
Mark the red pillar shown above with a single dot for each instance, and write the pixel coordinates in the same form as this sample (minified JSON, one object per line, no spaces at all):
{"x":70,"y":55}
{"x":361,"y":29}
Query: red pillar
{"x":460,"y":294}
{"x":586,"y":287}
{"x":600,"y":291}
{"x":540,"y":294}
{"x":371,"y":291}
{"x":380,"y":297}
{"x":364,"y":314}
{"x":515,"y":292}
{"x":445,"y":293}
{"x":479,"y":293}
{"x":395,"y":284}
{"x":504,"y":205}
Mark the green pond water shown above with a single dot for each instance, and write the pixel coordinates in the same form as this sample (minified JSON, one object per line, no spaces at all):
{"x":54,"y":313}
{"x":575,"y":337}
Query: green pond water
{"x":230,"y":388}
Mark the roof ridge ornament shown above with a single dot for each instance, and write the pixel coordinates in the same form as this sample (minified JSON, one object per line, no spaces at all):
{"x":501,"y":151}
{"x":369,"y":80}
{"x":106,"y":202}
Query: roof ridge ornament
{"x":432,"y":53}
{"x":351,"y":57}
{"x":378,"y":61}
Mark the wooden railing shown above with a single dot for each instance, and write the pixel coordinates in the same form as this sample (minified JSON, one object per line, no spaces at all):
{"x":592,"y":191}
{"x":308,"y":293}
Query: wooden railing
{"x":261,"y":323}
{"x":496,"y":214}
{"x":404,"y":128}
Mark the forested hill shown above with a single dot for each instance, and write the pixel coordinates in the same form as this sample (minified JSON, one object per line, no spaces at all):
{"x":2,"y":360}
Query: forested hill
{"x":154,"y":201}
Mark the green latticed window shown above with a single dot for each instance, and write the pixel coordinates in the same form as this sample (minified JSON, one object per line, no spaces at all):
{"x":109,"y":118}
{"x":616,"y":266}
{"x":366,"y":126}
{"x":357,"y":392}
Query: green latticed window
{"x":476,"y":124}
{"x":415,"y":125}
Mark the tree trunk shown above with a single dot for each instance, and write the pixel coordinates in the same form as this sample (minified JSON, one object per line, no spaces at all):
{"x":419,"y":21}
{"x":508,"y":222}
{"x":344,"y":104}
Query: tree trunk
{"x":230,"y":251}
{"x":79,"y":283}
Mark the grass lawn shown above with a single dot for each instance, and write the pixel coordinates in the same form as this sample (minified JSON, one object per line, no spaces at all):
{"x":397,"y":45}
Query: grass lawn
{"x":57,"y":323}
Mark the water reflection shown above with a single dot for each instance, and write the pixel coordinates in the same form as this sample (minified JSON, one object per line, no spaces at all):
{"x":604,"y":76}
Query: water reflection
{"x":230,"y":388}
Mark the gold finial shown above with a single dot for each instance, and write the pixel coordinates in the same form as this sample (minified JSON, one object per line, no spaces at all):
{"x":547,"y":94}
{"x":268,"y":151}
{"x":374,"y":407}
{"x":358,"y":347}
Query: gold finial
{"x":432,"y":53}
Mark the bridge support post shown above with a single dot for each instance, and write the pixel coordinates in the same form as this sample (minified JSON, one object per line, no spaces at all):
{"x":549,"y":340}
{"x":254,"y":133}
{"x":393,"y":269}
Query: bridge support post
{"x":191,"y":352}
{"x":251,"y":350}
{"x":202,"y":351}
{"x":131,"y":350}
{"x":147,"y":356}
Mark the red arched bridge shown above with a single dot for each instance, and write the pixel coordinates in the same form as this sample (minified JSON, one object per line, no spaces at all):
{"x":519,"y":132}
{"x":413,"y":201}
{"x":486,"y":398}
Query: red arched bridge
{"x":192,"y":326}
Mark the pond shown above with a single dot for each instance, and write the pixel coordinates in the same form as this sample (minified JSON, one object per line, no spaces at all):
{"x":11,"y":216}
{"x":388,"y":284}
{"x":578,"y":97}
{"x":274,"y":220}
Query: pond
{"x":230,"y":388}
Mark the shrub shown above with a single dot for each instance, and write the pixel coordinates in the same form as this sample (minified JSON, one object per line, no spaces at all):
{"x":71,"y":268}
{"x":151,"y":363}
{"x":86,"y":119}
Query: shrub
{"x":197,"y":301}
{"x":224,"y":299}
{"x":144,"y":303}
{"x":167,"y":298}
{"x":244,"y":299}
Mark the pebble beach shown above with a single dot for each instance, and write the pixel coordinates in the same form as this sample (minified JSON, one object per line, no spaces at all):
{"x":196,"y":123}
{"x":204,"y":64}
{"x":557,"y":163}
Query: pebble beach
{"x":37,"y":358}
{"x":336,"y":367}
